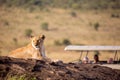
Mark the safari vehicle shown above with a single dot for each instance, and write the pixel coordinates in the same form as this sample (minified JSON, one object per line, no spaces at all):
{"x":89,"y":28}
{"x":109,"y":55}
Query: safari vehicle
{"x":87,"y":49}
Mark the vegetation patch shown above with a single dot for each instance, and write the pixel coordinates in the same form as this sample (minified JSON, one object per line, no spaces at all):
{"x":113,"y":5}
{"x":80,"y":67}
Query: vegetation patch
{"x":62,"y":42}
{"x":96,"y":26}
{"x":44,"y":26}
{"x":28,"y":32}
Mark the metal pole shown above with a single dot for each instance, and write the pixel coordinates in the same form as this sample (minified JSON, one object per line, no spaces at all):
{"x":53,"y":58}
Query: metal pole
{"x":117,"y":58}
{"x":115,"y":55}
{"x":81,"y":55}
{"x":87,"y":53}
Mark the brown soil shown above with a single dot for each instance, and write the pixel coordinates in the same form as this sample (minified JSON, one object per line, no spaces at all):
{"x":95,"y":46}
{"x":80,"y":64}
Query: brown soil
{"x":45,"y":70}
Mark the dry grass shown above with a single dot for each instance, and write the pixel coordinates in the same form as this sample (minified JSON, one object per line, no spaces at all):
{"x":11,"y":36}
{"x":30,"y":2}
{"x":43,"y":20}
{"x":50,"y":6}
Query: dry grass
{"x":79,"y":29}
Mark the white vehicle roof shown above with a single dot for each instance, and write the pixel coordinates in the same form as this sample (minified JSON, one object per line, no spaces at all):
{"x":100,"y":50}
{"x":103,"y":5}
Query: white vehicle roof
{"x":92,"y":48}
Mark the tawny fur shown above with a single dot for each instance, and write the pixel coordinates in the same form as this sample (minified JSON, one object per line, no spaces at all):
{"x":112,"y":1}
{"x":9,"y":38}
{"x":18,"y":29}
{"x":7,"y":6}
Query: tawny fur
{"x":29,"y":51}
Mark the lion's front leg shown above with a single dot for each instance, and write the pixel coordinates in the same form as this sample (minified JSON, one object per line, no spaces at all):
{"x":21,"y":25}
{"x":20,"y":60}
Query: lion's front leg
{"x":37,"y":56}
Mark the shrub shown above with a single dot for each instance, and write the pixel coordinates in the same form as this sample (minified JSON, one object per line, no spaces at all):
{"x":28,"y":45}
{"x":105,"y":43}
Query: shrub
{"x":28,"y":32}
{"x":66,"y":42}
{"x":73,"y":14}
{"x":96,"y":26}
{"x":31,"y":9}
{"x":114,"y":15}
{"x":57,"y":42}
{"x":44,"y":26}
{"x":75,"y":6}
{"x":6,"y":23}
{"x":15,"y":40}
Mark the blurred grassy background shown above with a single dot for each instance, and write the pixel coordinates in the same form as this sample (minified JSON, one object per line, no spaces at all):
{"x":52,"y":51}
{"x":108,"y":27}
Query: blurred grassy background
{"x":64,"y":22}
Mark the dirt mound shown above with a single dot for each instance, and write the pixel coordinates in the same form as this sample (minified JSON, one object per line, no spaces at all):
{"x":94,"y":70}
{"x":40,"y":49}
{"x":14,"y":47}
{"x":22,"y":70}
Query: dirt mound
{"x":44,"y":70}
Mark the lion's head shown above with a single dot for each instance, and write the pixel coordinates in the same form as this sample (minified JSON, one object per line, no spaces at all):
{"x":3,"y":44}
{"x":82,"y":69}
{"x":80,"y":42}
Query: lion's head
{"x":37,"y":41}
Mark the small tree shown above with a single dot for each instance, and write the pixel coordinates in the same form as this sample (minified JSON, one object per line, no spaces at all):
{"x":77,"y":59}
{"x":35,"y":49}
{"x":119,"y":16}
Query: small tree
{"x":57,"y":42}
{"x":44,"y":26}
{"x":96,"y":26}
{"x":15,"y":41}
{"x":73,"y":14}
{"x":6,"y":23}
{"x":115,"y":15}
{"x":66,"y":42}
{"x":28,"y":32}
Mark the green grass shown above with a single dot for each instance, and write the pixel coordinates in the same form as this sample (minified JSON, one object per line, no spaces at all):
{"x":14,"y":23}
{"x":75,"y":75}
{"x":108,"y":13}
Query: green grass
{"x":22,"y":77}
{"x":17,"y":78}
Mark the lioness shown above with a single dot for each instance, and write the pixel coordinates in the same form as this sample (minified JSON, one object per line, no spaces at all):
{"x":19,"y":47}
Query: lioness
{"x":33,"y":50}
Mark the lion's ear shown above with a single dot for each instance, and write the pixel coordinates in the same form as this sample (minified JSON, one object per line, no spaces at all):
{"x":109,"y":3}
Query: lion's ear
{"x":43,"y":36}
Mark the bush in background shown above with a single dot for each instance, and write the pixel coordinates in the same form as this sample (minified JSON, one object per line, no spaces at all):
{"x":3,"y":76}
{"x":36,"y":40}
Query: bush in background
{"x":73,"y":14}
{"x":57,"y":43}
{"x":28,"y":32}
{"x":62,"y":42}
{"x":6,"y":23}
{"x":66,"y":42}
{"x":15,"y":41}
{"x":115,"y":16}
{"x":75,"y":6}
{"x":44,"y":26}
{"x":96,"y":26}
